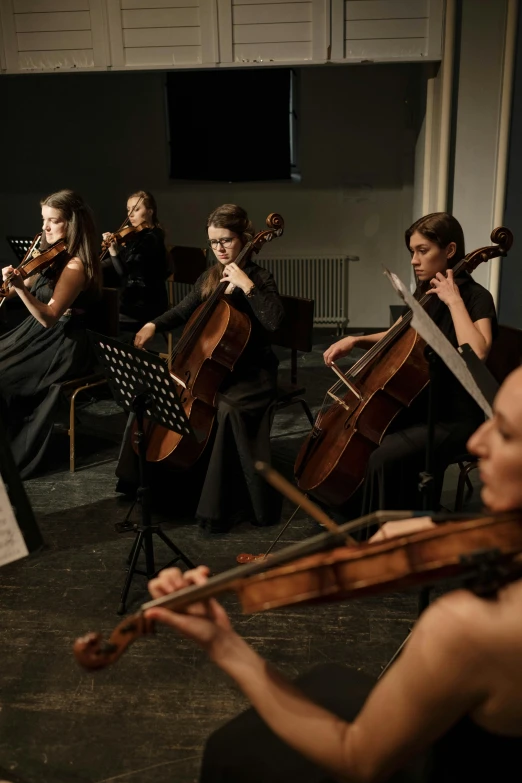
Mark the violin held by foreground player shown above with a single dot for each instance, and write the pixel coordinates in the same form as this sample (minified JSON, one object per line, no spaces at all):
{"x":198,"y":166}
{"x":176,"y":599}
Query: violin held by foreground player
{"x":456,"y":688}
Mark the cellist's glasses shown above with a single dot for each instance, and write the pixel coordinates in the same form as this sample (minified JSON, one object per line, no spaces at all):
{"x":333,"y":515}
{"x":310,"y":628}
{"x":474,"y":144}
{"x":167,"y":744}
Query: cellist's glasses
{"x":226,"y":242}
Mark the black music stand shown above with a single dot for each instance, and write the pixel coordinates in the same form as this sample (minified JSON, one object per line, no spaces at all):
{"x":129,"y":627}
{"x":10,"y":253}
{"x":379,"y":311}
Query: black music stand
{"x":17,"y":496}
{"x":20,"y":246}
{"x":142,"y":384}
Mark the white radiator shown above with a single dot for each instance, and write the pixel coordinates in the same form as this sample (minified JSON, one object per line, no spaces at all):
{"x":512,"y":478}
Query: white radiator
{"x":322,"y":278}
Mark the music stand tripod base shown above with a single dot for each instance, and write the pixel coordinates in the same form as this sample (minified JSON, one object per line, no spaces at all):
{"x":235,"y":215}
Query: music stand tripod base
{"x":142,"y":384}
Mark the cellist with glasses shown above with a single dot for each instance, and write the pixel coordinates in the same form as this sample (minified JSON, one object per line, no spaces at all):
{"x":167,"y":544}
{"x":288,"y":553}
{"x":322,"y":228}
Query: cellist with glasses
{"x":223,"y":481}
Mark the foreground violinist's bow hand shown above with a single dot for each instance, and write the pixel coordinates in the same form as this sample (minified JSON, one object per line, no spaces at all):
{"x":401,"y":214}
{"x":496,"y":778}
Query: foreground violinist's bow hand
{"x":402,"y":527}
{"x":205,"y":622}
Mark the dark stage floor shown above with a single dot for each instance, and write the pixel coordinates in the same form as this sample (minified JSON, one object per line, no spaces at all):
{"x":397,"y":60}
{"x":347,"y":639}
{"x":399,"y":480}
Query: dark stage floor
{"x":145,"y":719}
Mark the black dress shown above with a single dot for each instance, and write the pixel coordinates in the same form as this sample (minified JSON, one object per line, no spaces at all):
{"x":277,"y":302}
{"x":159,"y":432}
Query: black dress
{"x":224,"y":481}
{"x":246,"y":750}
{"x":34,"y":360}
{"x":140,"y":269}
{"x":392,"y":475}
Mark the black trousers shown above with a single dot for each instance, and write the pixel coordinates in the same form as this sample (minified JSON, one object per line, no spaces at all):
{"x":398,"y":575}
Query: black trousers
{"x":247,"y":750}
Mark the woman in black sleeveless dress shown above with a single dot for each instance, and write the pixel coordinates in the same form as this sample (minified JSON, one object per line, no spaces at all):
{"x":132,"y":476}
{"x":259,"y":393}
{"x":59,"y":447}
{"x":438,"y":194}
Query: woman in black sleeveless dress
{"x":449,"y":710}
{"x":51,"y":344}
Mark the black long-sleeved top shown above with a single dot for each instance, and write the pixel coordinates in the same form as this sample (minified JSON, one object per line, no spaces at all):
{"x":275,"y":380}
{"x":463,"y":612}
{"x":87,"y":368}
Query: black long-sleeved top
{"x":142,"y":268}
{"x":263,"y":307}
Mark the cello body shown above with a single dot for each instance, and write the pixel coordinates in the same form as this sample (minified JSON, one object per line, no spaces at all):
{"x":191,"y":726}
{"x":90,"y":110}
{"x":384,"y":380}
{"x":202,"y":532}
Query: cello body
{"x":202,"y":368}
{"x":332,"y":462}
{"x":214,"y":337}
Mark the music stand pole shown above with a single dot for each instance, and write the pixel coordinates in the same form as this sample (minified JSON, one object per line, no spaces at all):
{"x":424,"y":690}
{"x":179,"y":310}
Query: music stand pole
{"x":142,"y":383}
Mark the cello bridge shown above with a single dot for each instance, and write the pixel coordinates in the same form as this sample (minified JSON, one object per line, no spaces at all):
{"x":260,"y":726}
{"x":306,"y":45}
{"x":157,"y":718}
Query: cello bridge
{"x":338,"y":400}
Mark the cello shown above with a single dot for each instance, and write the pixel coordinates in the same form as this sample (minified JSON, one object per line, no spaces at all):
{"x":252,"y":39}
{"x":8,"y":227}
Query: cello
{"x":212,"y":341}
{"x":332,"y":461}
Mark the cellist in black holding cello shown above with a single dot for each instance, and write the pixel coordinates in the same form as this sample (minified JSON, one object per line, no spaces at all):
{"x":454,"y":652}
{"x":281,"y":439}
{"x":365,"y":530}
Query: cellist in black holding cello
{"x":465,"y":313}
{"x":224,"y":479}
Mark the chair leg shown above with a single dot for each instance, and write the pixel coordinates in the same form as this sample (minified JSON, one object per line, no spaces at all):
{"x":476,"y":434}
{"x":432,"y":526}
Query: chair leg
{"x":306,"y":409}
{"x":72,"y":422}
{"x":464,"y":481}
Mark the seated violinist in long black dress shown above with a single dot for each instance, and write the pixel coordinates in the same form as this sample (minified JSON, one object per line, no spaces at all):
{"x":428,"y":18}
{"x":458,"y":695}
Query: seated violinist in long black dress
{"x":51,"y":344}
{"x":465,"y":313}
{"x":224,"y":479}
{"x":139,"y":266}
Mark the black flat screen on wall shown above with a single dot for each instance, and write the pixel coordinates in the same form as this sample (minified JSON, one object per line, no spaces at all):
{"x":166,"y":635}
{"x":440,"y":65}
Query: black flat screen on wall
{"x":230,"y":126}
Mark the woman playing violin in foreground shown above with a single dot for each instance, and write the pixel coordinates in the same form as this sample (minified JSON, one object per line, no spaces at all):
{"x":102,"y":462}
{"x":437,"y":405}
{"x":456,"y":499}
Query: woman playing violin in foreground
{"x":51,"y":344}
{"x":448,"y":710}
{"x":465,"y":313}
{"x":140,"y":264}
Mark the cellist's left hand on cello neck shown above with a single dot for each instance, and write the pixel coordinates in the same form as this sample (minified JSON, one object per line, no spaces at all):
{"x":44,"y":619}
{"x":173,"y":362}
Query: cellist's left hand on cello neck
{"x":445,"y":287}
{"x":237,"y":278}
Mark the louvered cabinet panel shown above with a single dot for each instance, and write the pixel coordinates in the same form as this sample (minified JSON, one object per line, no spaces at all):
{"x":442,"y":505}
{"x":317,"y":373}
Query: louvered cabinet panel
{"x":162,"y":33}
{"x":42,"y":35}
{"x":386,"y":30}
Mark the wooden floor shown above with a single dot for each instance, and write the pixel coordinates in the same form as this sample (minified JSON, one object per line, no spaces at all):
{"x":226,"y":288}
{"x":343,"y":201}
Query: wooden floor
{"x":145,"y":720}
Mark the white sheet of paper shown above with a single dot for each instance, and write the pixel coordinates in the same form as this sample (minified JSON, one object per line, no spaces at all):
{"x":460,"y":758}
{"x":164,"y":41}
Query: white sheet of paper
{"x":430,"y":333}
{"x":12,"y":544}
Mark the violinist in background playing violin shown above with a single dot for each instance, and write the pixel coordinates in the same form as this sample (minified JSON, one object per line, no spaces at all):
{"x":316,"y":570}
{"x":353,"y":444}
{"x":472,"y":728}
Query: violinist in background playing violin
{"x":51,"y":344}
{"x":224,"y":479}
{"x":449,"y":710}
{"x":139,"y":264}
{"x":465,"y":313}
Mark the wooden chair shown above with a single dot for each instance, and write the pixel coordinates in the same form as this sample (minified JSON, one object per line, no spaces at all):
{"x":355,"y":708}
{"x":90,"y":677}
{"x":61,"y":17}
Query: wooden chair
{"x":295,"y":333}
{"x":504,"y":357}
{"x":107,"y":316}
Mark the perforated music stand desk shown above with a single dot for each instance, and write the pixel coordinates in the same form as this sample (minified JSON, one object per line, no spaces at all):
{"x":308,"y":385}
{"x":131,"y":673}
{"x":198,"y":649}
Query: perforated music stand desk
{"x":142,"y":384}
{"x":20,"y":246}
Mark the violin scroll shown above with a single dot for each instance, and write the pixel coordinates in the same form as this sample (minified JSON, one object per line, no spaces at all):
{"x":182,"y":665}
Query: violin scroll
{"x":92,"y":652}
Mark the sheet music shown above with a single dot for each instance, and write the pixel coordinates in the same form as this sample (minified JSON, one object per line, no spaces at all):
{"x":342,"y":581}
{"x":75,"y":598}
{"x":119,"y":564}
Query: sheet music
{"x":12,"y":544}
{"x":430,"y":332}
